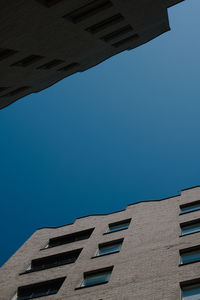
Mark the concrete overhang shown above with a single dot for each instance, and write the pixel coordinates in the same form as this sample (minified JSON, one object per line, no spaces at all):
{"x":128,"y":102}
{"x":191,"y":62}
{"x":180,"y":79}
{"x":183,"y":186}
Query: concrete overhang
{"x":44,"y":41}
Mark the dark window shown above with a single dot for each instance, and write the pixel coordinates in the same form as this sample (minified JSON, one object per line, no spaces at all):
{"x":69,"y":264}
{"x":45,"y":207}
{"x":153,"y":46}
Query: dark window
{"x":27,"y":61}
{"x":190,"y":255}
{"x":16,"y":91}
{"x":44,"y":288}
{"x":119,"y":225}
{"x":110,"y":247}
{"x":117,"y":33}
{"x":126,"y":41}
{"x":88,"y":10}
{"x":190,"y":227}
{"x":51,"y":64}
{"x":2,"y":89}
{"x":70,"y":238}
{"x":54,"y":261}
{"x":96,"y":277}
{"x":69,"y":67}
{"x":49,"y":3}
{"x":4,"y":53}
{"x":190,"y":290}
{"x":105,"y":24}
{"x":185,"y":208}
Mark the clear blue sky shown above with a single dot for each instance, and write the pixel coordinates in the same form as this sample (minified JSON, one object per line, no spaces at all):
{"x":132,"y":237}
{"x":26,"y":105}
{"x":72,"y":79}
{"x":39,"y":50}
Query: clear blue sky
{"x":124,"y":131}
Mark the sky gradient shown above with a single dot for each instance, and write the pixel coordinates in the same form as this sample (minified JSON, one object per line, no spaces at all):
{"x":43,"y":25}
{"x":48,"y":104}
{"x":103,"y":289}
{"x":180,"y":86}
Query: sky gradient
{"x":124,"y":131}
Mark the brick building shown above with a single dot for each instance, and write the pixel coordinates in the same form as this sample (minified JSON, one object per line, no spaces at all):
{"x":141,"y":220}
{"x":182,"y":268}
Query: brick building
{"x":149,"y":251}
{"x":44,"y":41}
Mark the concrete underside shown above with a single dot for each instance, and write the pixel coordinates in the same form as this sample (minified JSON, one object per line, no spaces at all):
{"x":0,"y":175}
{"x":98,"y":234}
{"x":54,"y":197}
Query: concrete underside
{"x":44,"y":41}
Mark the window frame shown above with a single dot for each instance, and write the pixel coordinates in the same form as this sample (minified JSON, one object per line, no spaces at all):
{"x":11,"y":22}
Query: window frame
{"x":188,"y":250}
{"x":118,"y":223}
{"x":113,"y":242}
{"x":182,"y":206}
{"x":58,"y":282}
{"x":189,"y":223}
{"x":32,"y":269}
{"x":95,"y":272}
{"x":188,"y":283}
{"x":68,"y":236}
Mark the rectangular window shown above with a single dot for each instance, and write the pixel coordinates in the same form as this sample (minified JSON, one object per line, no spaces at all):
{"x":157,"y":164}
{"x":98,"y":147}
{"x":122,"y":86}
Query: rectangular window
{"x":5,"y":53}
{"x":190,"y":227}
{"x":105,"y":24}
{"x":49,"y":3}
{"x":41,"y":289}
{"x":69,"y":67}
{"x":2,"y":89}
{"x":117,"y":33}
{"x":119,"y":225}
{"x":51,"y":64}
{"x":110,"y":247}
{"x":190,"y":255}
{"x":54,"y":261}
{"x":190,"y":291}
{"x":185,"y":208}
{"x":16,"y":91}
{"x":27,"y":61}
{"x":126,"y":41}
{"x":70,"y":238}
{"x":96,"y":277}
{"x":88,"y":10}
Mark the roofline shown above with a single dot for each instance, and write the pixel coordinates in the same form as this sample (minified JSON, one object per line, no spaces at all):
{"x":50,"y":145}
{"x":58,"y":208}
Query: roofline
{"x":190,"y":188}
{"x":114,"y":212}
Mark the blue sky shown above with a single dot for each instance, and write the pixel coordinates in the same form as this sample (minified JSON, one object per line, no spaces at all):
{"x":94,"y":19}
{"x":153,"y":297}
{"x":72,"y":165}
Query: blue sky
{"x":122,"y":132}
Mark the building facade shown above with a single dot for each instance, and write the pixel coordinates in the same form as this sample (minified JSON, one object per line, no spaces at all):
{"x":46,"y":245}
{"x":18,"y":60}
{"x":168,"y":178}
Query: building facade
{"x":44,"y":41}
{"x":149,"y":251}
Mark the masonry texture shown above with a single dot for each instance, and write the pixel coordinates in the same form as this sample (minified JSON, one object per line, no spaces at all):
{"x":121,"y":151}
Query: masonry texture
{"x":146,"y":268}
{"x":43,"y":41}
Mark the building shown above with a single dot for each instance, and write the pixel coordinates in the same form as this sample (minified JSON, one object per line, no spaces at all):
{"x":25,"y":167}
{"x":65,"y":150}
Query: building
{"x":149,"y":251}
{"x":44,"y":41}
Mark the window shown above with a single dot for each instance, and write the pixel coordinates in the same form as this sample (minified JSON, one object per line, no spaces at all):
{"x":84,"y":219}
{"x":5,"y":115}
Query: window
{"x":88,"y":10}
{"x":49,"y":3}
{"x":117,"y":33}
{"x":16,"y":91}
{"x":51,"y":64}
{"x":70,"y":238}
{"x":119,"y":225}
{"x":110,"y":247}
{"x":190,"y":227}
{"x":29,"y":60}
{"x":105,"y":24}
{"x":2,"y":89}
{"x":191,"y":291}
{"x":36,"y":290}
{"x":96,"y":277}
{"x":126,"y":40}
{"x":53,"y":261}
{"x":190,"y":255}
{"x":185,"y":208}
{"x":69,"y":67}
{"x":5,"y":53}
